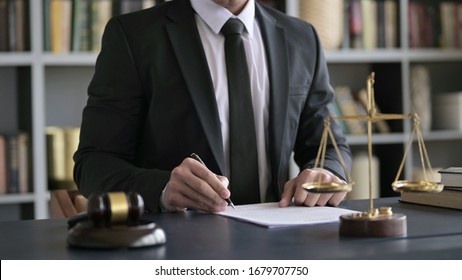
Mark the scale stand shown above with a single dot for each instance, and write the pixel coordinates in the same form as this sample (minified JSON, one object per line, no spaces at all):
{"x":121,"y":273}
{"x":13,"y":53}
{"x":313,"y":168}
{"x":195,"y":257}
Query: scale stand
{"x":375,"y":222}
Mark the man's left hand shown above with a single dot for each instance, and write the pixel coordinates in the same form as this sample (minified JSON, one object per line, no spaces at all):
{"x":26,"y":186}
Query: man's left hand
{"x":293,"y":189}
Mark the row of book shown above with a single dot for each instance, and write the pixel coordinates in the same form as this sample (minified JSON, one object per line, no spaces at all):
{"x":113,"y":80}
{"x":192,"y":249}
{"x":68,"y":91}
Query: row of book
{"x":436,"y":24}
{"x":78,"y":25}
{"x":349,"y":103}
{"x":62,"y":142}
{"x":14,"y":163}
{"x":371,"y":24}
{"x":353,"y":24}
{"x":14,"y":27}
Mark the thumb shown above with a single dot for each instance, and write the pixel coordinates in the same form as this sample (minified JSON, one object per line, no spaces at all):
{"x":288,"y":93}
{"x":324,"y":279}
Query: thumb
{"x":288,"y":194}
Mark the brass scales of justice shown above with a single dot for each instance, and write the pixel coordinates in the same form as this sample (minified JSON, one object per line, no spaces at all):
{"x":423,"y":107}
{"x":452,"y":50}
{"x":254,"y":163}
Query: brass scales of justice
{"x":375,"y":222}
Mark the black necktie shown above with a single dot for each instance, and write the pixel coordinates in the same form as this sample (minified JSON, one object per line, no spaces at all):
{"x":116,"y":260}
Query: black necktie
{"x":244,"y":180}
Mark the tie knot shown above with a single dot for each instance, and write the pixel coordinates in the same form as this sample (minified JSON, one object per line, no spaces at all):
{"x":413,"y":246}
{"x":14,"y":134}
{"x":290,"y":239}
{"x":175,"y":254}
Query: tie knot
{"x":232,"y":27}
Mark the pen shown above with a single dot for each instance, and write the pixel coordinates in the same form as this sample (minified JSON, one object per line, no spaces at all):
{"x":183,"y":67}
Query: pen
{"x":196,"y":157}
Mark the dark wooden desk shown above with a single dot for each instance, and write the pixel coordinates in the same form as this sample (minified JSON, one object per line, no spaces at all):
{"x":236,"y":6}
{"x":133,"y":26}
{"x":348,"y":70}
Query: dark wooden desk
{"x":433,"y":233}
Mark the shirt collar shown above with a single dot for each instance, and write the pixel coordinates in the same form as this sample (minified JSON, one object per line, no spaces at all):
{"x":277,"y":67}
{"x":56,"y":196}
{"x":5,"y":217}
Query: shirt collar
{"x":215,"y":16}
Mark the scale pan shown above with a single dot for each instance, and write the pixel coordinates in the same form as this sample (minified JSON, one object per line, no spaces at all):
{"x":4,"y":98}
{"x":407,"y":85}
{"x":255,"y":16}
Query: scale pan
{"x":416,"y":186}
{"x":330,"y":187}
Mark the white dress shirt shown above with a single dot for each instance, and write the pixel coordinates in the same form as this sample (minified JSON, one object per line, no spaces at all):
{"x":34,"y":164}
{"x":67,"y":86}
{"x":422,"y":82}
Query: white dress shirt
{"x":210,"y":18}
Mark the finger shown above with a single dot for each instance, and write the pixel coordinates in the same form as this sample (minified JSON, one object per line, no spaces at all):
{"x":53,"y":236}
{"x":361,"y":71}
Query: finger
{"x":310,"y":199}
{"x":303,"y":197}
{"x":198,"y":205}
{"x":336,"y":199}
{"x":202,"y":194}
{"x":288,"y":193}
{"x":184,"y":182}
{"x":323,"y":199}
{"x":219,"y":184}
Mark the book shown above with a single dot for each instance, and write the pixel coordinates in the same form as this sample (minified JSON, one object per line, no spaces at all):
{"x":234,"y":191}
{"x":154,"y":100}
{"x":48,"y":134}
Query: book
{"x":81,"y":30}
{"x":19,"y":21}
{"x":381,"y":125}
{"x":349,"y":107}
{"x":3,"y":166}
{"x":101,"y":12}
{"x":4,"y":29}
{"x":391,"y":24}
{"x":61,"y":144}
{"x":355,"y":24}
{"x":451,"y":177}
{"x":12,"y":164}
{"x":369,"y":16}
{"x":23,"y":162}
{"x":448,"y":198}
{"x":60,"y":25}
{"x":336,"y":112}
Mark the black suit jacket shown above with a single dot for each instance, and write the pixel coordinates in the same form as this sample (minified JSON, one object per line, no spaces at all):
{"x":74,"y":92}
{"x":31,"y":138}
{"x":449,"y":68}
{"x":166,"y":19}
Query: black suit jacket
{"x":152,"y":103}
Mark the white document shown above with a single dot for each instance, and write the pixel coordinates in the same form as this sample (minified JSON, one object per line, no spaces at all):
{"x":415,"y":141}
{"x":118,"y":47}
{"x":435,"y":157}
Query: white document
{"x":271,"y":215}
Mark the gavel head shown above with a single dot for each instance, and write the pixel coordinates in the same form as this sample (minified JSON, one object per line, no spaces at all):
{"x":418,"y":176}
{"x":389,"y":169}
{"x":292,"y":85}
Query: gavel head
{"x":115,"y":208}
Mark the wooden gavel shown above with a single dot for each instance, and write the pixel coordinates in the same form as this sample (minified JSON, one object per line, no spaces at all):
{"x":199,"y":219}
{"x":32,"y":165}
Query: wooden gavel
{"x":115,"y":208}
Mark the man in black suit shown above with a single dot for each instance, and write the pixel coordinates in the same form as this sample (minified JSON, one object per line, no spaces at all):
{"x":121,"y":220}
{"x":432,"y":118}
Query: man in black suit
{"x":159,"y":94}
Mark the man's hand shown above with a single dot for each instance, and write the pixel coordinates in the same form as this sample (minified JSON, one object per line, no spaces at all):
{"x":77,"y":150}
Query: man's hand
{"x":193,"y":186}
{"x":293,"y":189}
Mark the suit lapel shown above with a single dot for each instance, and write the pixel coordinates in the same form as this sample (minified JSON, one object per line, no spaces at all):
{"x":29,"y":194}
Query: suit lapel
{"x":186,"y":44}
{"x":274,"y":38}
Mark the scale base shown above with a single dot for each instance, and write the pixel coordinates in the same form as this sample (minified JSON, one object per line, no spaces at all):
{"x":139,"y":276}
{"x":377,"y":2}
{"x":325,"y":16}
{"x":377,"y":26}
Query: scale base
{"x":376,"y":223}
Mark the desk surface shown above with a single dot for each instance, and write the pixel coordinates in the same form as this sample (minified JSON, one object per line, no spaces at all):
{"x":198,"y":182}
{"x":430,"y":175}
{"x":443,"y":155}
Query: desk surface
{"x":433,"y":233}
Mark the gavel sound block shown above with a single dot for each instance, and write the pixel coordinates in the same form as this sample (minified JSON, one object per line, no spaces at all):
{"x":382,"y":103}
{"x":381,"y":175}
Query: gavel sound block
{"x":113,"y":220}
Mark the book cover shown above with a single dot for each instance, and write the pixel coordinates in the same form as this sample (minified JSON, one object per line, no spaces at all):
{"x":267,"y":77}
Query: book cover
{"x":451,"y":177}
{"x":448,"y":198}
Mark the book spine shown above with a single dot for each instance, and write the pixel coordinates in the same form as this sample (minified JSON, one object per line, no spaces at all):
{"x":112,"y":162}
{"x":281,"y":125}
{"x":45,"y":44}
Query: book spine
{"x":4,"y":29}
{"x":13,"y":164}
{"x":3,"y":166}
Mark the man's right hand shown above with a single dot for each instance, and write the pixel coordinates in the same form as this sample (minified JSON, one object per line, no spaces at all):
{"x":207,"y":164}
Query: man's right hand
{"x":192,"y":185}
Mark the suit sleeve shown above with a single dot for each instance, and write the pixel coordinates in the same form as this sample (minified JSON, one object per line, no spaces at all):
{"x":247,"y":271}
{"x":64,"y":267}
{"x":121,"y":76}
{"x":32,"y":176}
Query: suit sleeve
{"x":111,"y":123}
{"x":314,"y":113}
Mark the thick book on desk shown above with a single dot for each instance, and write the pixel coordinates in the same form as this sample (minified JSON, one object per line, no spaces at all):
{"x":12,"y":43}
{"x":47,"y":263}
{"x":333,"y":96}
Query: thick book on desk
{"x":451,"y":176}
{"x":448,"y":198}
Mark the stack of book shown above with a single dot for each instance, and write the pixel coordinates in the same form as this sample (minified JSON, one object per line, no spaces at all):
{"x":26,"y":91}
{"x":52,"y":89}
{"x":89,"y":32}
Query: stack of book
{"x":450,"y":197}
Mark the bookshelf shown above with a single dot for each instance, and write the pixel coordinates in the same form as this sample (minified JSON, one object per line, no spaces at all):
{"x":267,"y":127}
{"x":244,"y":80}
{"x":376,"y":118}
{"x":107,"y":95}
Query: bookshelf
{"x":36,"y":83}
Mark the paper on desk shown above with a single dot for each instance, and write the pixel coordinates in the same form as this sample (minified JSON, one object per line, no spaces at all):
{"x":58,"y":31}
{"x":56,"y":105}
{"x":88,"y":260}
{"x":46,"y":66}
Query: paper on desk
{"x":271,"y":215}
